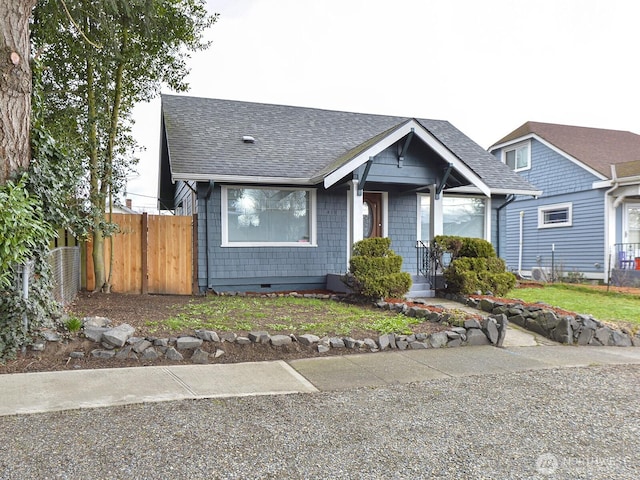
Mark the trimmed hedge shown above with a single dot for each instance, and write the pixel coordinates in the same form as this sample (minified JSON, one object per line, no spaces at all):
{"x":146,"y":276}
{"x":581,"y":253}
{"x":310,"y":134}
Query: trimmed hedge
{"x":474,"y":266}
{"x":375,"y":270}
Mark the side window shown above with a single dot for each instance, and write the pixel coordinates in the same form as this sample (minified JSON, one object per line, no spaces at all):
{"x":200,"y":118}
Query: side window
{"x":558,"y":215}
{"x":518,"y":158}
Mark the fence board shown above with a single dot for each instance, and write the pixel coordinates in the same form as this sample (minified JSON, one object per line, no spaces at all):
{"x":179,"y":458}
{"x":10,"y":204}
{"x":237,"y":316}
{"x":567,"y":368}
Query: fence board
{"x":169,"y":254}
{"x":165,"y":251}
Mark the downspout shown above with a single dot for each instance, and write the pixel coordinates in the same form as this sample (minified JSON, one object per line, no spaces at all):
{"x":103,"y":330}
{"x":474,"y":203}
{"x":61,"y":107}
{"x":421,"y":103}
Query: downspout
{"x":206,"y":232}
{"x":510,"y":199}
{"x":520,"y":246}
{"x":616,"y":203}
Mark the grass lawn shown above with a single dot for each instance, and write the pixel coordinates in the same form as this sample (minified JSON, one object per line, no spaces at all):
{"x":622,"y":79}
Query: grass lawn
{"x":603,"y":305}
{"x":283,"y":315}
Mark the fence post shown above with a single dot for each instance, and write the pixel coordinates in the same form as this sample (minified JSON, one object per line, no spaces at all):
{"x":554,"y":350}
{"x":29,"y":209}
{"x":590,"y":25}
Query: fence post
{"x":144,"y":261}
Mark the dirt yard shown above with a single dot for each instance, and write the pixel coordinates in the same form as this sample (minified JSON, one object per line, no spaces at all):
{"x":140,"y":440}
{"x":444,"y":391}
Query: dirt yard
{"x":140,"y":311}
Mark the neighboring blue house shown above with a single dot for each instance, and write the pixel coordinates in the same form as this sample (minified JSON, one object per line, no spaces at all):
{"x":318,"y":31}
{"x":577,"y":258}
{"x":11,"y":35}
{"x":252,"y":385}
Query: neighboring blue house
{"x":587,"y":220}
{"x":282,"y":193}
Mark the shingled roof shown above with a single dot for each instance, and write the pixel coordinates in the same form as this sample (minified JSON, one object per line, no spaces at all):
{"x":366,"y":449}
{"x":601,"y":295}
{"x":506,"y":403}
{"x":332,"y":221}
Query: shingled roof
{"x":595,"y":147}
{"x":300,"y":145}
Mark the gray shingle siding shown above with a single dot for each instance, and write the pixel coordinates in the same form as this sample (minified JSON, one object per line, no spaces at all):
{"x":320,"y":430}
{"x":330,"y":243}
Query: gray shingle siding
{"x":275,"y":264}
{"x":403,"y":217}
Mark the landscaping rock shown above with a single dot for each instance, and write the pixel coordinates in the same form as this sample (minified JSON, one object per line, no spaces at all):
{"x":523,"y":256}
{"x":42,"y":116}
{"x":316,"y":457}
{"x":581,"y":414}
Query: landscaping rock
{"x":383,"y":342}
{"x":472,"y":323}
{"x":280,"y":340}
{"x":219,"y":353}
{"x":335,"y":342}
{"x":207,"y":335}
{"x":150,"y":354}
{"x":259,"y":336}
{"x":476,"y":337}
{"x":418,"y":345}
{"x":94,"y":333}
{"x":99,"y":322}
{"x":229,"y":337}
{"x":323,"y":348}
{"x":503,"y":323}
{"x":200,"y":357}
{"x":438,"y":340}
{"x":370,"y":343}
{"x":100,"y":353}
{"x":242,"y":341}
{"x":603,"y":335}
{"x":490,"y":329}
{"x":585,"y":336}
{"x":173,"y":355}
{"x":563,"y":332}
{"x":308,"y":339}
{"x":161,"y":342}
{"x":188,"y":343}
{"x":349,"y":342}
{"x":126,"y":353}
{"x":141,"y":346}
{"x":620,"y":339}
{"x":117,"y":336}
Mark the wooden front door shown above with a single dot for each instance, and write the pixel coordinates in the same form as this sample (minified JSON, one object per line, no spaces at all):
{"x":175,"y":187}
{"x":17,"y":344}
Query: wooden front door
{"x":372,"y":215}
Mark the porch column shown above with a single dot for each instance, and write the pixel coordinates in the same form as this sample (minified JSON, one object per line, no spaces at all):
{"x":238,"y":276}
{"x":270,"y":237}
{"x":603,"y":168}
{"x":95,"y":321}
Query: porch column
{"x":356,"y":206}
{"x":437,"y":219}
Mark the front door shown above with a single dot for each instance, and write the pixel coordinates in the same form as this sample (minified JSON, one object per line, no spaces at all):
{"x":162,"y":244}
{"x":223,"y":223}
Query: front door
{"x":632,"y":224}
{"x":372,"y":215}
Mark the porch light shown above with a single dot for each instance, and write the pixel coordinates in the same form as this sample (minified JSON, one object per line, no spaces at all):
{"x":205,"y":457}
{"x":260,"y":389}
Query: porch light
{"x":248,"y":139}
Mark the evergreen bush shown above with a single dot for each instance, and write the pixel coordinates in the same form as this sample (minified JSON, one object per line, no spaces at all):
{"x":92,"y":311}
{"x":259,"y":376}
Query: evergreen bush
{"x":375,"y":270}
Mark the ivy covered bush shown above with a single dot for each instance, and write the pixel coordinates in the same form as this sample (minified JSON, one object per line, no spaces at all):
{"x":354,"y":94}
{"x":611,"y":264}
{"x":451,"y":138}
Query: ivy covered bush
{"x":24,"y":237}
{"x":375,"y":271}
{"x":474,"y":266}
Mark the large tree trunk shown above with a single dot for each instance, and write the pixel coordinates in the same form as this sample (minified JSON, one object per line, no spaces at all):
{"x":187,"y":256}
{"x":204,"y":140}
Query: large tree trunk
{"x":15,"y":86}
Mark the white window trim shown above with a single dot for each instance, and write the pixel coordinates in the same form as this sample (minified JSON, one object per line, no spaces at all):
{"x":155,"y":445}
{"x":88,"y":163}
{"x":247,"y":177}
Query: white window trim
{"x":224,"y":211}
{"x":556,"y":206}
{"x":516,"y":146}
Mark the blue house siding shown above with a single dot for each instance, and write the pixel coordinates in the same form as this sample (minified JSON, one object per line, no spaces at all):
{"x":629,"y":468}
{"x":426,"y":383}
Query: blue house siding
{"x":578,"y":247}
{"x":271,"y":268}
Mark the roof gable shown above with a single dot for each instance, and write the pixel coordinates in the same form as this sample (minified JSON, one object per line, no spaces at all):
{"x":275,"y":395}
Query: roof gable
{"x":596,"y":148}
{"x":301,"y":145}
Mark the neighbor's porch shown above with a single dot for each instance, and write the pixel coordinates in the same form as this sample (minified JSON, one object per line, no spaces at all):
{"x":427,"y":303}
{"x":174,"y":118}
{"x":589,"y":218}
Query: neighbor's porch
{"x":625,"y":264}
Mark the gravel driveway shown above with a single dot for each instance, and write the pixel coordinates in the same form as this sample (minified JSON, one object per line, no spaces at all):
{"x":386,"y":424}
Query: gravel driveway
{"x":565,"y":423}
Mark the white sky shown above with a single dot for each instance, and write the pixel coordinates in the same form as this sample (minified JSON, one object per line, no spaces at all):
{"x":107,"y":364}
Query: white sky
{"x":487,"y":66}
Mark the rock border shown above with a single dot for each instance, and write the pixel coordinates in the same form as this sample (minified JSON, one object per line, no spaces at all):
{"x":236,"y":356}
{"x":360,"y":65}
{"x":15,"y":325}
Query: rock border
{"x":542,"y":319}
{"x":120,"y":342}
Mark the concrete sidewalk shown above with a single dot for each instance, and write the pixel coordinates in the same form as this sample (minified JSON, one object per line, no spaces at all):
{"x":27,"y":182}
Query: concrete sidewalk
{"x":54,"y":391}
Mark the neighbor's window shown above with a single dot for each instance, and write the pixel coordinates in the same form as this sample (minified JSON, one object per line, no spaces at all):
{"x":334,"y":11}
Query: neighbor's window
{"x":518,"y":158}
{"x":463,"y":216}
{"x":558,"y":215}
{"x":268,"y":216}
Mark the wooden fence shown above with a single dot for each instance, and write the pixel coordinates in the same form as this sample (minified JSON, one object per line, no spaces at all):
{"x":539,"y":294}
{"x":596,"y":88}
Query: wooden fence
{"x":152,"y":254}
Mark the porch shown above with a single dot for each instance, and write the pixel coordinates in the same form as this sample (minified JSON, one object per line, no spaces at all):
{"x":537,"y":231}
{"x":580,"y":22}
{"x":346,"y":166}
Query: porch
{"x":625,"y":264}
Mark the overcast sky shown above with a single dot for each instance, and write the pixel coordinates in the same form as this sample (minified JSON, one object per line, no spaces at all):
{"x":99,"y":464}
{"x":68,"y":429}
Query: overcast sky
{"x":487,"y":66}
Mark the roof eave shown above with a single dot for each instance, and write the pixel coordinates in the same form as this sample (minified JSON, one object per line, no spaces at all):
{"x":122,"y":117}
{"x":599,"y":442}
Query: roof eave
{"x":243,"y":179}
{"x":397,"y":134}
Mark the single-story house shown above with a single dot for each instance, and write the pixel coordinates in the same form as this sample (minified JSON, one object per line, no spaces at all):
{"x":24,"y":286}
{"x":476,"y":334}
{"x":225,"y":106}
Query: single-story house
{"x":282,"y":193}
{"x":587,"y":221}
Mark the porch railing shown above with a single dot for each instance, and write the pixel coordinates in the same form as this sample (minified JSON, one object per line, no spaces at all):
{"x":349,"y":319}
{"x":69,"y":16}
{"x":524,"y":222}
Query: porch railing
{"x":626,"y":256}
{"x":424,"y":263}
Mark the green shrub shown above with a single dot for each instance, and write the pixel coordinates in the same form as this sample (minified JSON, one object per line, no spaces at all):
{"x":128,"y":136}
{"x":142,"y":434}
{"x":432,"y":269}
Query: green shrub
{"x":375,"y":270}
{"x":469,"y":275}
{"x":373,"y":247}
{"x":463,"y":246}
